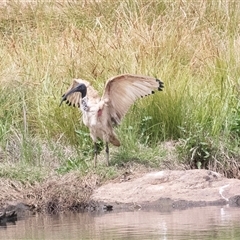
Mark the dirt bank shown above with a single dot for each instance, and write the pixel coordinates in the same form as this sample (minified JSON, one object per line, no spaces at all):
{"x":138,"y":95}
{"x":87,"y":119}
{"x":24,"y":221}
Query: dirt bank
{"x":171,"y":189}
{"x":162,"y":190}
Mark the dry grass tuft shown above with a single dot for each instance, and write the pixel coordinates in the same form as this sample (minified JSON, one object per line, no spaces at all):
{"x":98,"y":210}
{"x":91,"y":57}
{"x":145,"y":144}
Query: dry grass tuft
{"x":58,"y":193}
{"x":10,"y":191}
{"x":68,"y":192}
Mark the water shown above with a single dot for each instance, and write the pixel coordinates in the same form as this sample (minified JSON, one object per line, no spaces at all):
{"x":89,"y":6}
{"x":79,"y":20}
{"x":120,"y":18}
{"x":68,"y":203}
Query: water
{"x":194,"y":223}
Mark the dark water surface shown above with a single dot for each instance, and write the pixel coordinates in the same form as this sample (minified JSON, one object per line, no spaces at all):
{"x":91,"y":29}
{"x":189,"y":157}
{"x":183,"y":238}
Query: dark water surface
{"x":194,"y":223}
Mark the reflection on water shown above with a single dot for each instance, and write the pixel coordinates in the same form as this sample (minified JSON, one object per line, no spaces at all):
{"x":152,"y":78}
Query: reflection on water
{"x":194,"y":223}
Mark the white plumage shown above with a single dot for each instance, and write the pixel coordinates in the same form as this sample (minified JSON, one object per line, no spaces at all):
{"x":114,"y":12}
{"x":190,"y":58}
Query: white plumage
{"x":101,"y":114}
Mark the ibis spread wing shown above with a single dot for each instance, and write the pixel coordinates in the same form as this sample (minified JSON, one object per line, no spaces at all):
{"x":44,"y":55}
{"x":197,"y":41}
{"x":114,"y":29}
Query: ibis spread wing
{"x":121,"y":92}
{"x":74,"y":98}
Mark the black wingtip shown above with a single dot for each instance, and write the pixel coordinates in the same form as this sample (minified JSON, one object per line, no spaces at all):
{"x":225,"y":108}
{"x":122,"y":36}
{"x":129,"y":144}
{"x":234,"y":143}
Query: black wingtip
{"x":161,"y":84}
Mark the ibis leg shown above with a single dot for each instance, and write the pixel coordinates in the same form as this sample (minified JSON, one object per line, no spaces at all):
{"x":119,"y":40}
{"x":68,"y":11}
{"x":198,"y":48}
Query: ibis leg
{"x":95,"y":154}
{"x":107,"y":153}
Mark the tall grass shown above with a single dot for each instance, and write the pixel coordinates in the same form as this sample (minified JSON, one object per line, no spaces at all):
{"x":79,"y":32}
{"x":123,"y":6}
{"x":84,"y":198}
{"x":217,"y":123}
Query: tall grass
{"x":192,"y":46}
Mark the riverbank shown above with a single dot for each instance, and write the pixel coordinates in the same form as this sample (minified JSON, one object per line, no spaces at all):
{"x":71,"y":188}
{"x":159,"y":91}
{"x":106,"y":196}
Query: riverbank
{"x":126,"y":185}
{"x":158,"y":190}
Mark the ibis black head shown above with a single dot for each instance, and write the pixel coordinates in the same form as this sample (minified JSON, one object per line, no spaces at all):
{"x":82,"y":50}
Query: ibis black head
{"x":79,"y":88}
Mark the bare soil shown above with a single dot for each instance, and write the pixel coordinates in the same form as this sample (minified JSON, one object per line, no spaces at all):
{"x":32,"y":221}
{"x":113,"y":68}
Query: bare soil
{"x":171,"y":189}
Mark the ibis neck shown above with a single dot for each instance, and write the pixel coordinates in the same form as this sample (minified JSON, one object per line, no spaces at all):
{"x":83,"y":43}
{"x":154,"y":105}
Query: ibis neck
{"x":84,"y":104}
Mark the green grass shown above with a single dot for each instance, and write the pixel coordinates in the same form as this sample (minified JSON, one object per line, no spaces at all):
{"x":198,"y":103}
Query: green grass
{"x":192,"y":46}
